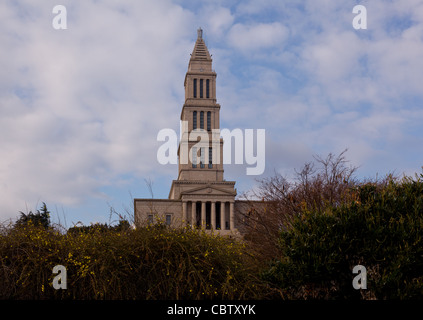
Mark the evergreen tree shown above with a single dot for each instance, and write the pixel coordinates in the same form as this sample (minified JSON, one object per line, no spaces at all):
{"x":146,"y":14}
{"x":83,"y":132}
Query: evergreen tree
{"x":40,"y":218}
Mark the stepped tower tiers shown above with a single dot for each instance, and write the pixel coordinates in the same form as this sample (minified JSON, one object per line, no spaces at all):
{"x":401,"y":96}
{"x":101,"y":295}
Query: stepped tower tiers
{"x":200,"y":119}
{"x":199,"y":197}
{"x":206,"y":197}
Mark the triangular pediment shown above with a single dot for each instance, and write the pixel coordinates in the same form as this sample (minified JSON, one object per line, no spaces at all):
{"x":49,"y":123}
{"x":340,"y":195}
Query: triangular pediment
{"x":210,"y":190}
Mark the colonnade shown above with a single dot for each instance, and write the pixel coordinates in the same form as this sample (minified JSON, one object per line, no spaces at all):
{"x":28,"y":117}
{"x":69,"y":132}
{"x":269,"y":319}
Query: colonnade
{"x":204,"y":213}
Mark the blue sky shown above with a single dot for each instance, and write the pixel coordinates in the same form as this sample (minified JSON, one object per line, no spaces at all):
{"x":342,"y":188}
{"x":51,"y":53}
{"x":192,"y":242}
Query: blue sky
{"x":80,"y":108}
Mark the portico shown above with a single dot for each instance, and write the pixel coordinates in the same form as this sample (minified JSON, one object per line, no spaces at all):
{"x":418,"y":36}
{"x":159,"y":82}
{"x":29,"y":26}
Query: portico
{"x":209,"y":214}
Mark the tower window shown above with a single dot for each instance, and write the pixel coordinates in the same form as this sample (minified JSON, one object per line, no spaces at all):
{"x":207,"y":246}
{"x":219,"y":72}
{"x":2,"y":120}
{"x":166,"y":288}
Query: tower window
{"x":202,"y":150}
{"x":194,"y":157}
{"x":195,"y":88}
{"x":208,"y":121}
{"x":208,"y":88}
{"x":210,"y":158}
{"x":194,"y":120}
{"x":201,"y":119}
{"x":201,"y":88}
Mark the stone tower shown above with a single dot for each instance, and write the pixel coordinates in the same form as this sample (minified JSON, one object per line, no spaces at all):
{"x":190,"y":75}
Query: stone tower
{"x":200,"y":114}
{"x":199,"y":197}
{"x":207,"y":200}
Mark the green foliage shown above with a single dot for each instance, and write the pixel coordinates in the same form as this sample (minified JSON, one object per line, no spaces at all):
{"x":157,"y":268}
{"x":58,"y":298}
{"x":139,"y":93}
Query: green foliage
{"x":123,"y":225}
{"x":40,"y":218}
{"x":381,"y":227}
{"x":109,"y":263}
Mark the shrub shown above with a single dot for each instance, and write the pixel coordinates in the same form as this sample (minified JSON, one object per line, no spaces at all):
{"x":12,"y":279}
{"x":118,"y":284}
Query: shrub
{"x":109,"y":263}
{"x":381,"y":227}
{"x":40,"y":218}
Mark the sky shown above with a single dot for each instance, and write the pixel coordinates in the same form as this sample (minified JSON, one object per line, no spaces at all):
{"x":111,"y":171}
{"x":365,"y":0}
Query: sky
{"x":80,"y":108}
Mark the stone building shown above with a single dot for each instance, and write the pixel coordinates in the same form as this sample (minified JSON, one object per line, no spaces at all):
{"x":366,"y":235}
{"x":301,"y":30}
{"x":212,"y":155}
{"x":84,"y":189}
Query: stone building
{"x":200,"y":197}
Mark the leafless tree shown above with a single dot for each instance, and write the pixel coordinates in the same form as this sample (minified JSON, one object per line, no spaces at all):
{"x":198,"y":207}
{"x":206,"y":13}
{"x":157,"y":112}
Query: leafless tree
{"x":318,"y":184}
{"x":149,"y":184}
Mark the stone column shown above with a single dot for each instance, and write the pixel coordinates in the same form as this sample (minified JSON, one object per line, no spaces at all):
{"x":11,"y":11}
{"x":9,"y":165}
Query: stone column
{"x":203,"y":214}
{"x":213,"y":215}
{"x":193,"y":214}
{"x":222,"y":215}
{"x":231,"y":215}
{"x":184,"y":212}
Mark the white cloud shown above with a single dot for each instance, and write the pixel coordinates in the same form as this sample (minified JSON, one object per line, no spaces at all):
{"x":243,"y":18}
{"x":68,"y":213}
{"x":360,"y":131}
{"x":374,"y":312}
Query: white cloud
{"x":257,"y":36}
{"x":218,"y":20}
{"x":355,"y":87}
{"x":81,"y":107}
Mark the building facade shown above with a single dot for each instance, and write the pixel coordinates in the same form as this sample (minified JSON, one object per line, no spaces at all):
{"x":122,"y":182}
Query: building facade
{"x":199,"y":197}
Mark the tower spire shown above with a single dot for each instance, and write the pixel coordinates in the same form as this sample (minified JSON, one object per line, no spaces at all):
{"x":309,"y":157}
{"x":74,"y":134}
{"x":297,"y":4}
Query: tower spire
{"x":200,"y":57}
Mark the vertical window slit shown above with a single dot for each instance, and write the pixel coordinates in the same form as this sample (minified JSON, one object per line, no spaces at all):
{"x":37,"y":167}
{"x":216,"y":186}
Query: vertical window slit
{"x":201,"y":88}
{"x":201,"y":119}
{"x":194,"y":120}
{"x":208,"y":121}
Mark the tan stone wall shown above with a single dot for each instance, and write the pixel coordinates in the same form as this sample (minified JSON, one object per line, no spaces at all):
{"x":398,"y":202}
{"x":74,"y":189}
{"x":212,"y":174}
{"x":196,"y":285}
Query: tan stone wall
{"x":158,"y":208}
